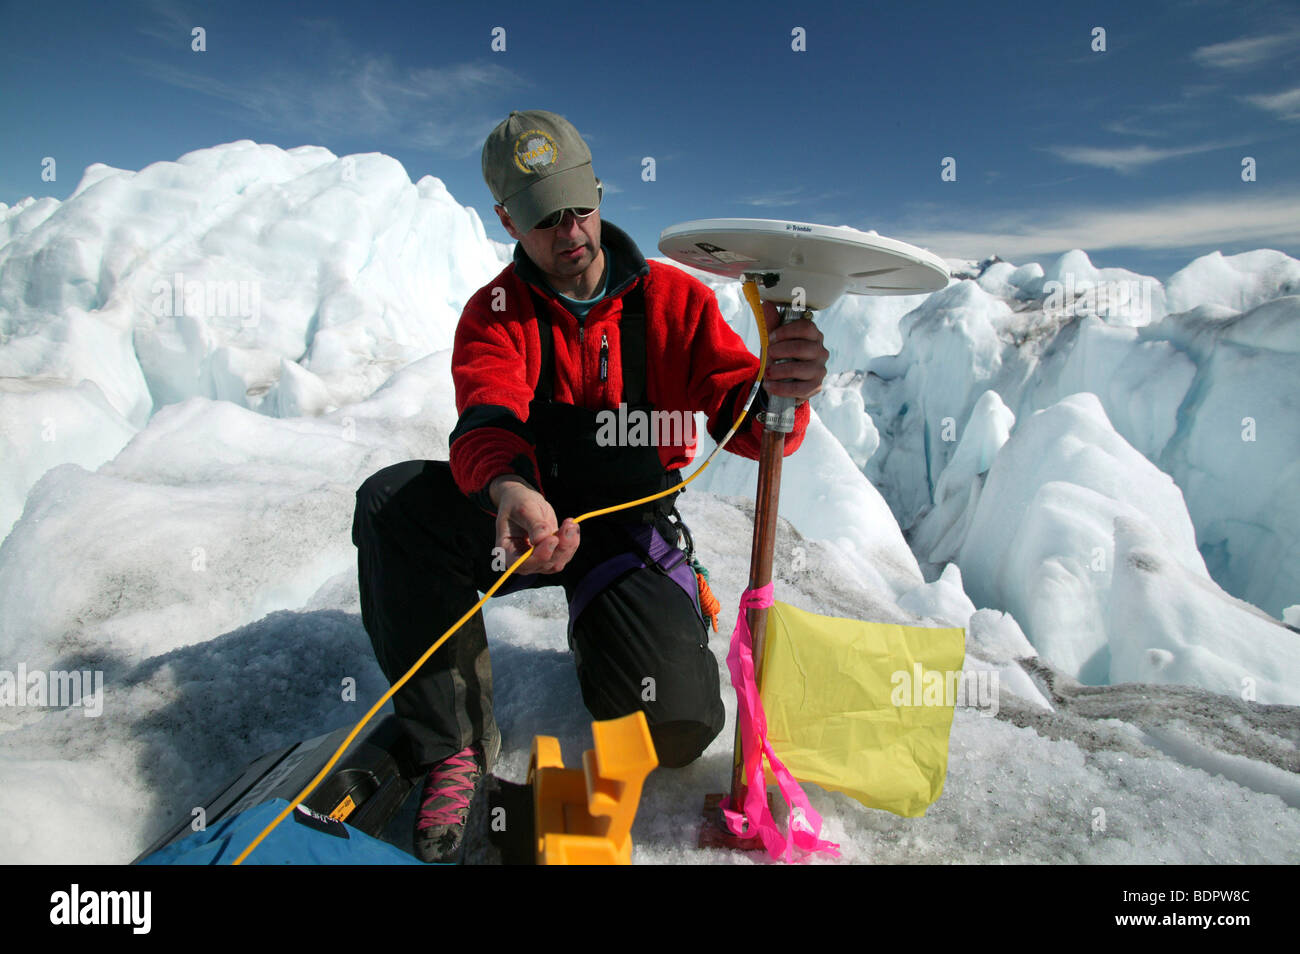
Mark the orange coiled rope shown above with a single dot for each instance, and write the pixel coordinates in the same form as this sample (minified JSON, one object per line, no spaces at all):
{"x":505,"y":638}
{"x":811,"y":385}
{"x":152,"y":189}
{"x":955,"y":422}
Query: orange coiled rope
{"x":708,"y":602}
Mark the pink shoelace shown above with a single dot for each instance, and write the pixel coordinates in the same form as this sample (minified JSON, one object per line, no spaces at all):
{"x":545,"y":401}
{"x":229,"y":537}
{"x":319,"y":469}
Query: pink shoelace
{"x":448,"y":790}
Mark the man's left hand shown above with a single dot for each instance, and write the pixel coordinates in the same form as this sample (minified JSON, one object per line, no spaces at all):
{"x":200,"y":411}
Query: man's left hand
{"x":798,"y":345}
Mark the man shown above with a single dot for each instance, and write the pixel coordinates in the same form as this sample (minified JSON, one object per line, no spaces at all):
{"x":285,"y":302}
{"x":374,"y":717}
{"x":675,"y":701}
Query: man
{"x":579,"y":323}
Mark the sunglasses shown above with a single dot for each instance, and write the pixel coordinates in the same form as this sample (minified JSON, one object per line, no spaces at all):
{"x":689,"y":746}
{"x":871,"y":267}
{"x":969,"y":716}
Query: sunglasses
{"x":555,"y":218}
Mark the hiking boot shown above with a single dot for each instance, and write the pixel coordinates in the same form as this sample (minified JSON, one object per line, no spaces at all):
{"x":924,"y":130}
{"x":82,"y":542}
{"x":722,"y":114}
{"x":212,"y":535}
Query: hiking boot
{"x":444,"y":806}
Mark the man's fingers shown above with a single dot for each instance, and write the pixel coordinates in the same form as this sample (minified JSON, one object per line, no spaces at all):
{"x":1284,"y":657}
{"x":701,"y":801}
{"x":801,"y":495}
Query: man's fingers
{"x":566,"y":543}
{"x":797,"y":359}
{"x":543,"y":551}
{"x":544,"y":548}
{"x":552,"y":549}
{"x":798,"y":346}
{"x":525,"y":520}
{"x":800,"y":328}
{"x":540,"y":532}
{"x":795,"y":371}
{"x":563,"y":544}
{"x":799,"y":390}
{"x":517,"y":533}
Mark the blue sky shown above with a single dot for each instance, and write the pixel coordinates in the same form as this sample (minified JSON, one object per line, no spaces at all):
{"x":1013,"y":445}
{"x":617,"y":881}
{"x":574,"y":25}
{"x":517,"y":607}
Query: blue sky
{"x":1133,"y":153}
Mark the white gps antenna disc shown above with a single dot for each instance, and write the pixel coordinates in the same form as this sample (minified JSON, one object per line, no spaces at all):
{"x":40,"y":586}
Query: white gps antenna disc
{"x":824,"y":261}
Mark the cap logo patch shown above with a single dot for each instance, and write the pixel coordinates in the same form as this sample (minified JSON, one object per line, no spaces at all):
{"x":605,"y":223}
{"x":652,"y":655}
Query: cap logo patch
{"x":535,"y":150}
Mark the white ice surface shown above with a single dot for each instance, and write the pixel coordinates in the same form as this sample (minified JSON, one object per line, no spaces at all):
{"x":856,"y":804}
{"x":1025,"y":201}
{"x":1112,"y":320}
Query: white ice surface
{"x":180,"y":488}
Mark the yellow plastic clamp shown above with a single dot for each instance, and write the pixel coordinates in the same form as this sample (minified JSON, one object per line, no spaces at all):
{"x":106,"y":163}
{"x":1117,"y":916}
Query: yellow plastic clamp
{"x":584,"y":816}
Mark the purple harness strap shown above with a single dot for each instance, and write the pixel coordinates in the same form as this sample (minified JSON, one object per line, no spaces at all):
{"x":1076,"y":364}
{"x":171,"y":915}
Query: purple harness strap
{"x":649,"y":541}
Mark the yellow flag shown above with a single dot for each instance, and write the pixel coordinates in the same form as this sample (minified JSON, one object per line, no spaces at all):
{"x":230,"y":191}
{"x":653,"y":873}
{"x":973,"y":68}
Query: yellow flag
{"x":861,"y":708}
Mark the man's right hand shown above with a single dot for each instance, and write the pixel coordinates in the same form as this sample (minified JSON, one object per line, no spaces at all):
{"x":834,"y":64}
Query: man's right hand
{"x":524,"y":519}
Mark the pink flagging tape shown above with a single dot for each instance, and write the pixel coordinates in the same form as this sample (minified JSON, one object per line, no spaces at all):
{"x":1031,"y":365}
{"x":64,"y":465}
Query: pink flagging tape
{"x":804,"y":824}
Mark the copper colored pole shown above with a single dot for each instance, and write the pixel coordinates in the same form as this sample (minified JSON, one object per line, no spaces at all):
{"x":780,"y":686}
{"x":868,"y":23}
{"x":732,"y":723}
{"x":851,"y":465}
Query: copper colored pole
{"x":766,"y":500}
{"x":777,"y":423}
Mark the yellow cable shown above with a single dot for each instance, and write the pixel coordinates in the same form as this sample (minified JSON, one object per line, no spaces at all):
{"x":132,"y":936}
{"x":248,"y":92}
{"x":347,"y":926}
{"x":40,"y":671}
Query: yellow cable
{"x":756,"y":305}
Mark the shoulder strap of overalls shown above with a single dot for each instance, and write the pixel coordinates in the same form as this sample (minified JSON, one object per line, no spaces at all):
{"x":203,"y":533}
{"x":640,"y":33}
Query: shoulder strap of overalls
{"x":632,"y":333}
{"x":545,"y":389}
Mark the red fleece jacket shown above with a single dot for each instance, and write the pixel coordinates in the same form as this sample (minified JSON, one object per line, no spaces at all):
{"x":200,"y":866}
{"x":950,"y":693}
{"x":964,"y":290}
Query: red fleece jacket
{"x":694,"y":362}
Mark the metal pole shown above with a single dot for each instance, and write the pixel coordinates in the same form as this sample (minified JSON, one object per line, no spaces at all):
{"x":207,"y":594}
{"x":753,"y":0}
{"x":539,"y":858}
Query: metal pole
{"x":777,"y":422}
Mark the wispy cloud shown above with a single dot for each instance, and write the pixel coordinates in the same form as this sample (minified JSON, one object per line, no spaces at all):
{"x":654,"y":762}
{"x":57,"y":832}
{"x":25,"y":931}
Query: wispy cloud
{"x":1132,"y":127}
{"x":446,"y":110}
{"x":1247,"y":51}
{"x":1167,"y":118}
{"x":1129,"y":158}
{"x":1286,"y":105}
{"x":1263,"y":219}
{"x":165,"y":21}
{"x":779,"y":198}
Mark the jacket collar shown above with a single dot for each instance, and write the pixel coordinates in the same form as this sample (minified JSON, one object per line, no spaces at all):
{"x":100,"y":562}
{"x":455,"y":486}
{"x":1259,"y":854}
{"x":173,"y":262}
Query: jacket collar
{"x":626,"y":263}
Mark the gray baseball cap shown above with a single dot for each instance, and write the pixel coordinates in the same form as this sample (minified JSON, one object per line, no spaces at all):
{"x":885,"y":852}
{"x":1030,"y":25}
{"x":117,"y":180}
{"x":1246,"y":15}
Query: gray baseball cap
{"x":535,"y":163}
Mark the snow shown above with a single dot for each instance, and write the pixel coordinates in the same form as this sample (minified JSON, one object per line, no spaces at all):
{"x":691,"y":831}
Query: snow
{"x":200,"y":362}
{"x":1208,"y":395}
{"x":1239,"y":282}
{"x":940,"y":533}
{"x":45,"y":422}
{"x":1067,"y":476}
{"x":1234,"y":450}
{"x":1171,"y":625}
